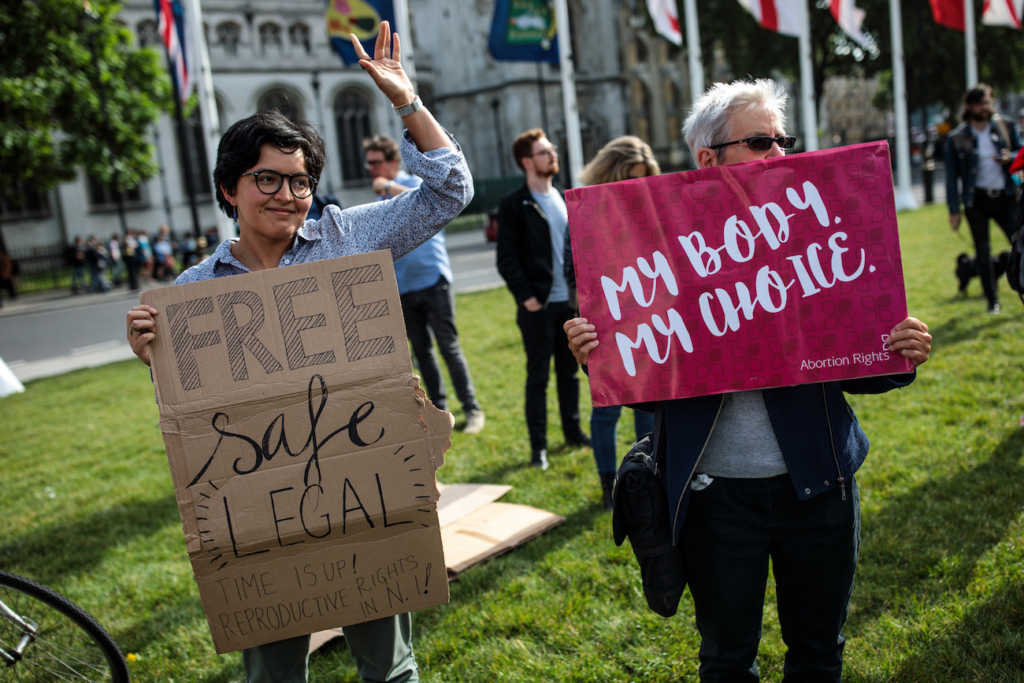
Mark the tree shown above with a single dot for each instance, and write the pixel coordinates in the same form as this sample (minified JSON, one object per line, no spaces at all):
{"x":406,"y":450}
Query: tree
{"x":74,"y":94}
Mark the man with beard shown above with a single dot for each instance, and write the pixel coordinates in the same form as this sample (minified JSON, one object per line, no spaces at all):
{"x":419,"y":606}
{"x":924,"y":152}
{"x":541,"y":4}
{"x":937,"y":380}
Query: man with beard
{"x":978,"y":156}
{"x":532,"y":224}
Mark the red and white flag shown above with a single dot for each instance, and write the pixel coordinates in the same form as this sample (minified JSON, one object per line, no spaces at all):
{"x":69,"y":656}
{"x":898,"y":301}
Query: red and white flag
{"x":782,"y":16}
{"x":665,"y":16}
{"x":850,"y":17}
{"x":172,"y":34}
{"x":1002,"y":13}
{"x":948,"y":13}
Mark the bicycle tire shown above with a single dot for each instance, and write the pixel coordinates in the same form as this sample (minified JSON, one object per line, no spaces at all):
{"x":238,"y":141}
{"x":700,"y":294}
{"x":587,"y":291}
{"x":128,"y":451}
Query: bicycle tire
{"x":69,"y":645}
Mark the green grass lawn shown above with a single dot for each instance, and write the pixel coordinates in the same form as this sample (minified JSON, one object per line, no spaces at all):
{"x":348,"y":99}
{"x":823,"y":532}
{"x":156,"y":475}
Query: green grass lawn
{"x":88,"y":507}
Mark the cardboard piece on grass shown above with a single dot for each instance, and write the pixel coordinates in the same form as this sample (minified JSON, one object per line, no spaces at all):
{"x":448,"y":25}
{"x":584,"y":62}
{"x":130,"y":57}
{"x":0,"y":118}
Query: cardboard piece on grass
{"x":302,"y":450}
{"x":491,"y":530}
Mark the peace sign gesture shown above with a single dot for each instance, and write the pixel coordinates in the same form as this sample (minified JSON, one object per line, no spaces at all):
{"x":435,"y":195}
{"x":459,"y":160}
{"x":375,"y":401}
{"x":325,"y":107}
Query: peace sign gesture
{"x":385,"y":68}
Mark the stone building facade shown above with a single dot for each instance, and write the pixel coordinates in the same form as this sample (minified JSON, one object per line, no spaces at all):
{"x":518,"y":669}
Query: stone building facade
{"x":265,"y":53}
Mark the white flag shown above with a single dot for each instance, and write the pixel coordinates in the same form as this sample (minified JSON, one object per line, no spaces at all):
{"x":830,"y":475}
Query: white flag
{"x":850,"y":17}
{"x":666,"y":19}
{"x":1002,"y":13}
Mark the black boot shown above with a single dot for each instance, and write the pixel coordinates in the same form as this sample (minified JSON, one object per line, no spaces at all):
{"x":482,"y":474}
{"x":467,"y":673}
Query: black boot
{"x":607,"y":484}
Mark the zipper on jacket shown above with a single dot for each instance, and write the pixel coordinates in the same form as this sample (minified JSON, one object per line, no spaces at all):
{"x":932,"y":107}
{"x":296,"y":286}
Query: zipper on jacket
{"x":700,"y":455}
{"x":832,"y":443}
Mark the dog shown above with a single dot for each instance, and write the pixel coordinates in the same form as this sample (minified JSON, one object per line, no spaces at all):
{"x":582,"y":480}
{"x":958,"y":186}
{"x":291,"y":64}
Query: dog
{"x":967,"y":268}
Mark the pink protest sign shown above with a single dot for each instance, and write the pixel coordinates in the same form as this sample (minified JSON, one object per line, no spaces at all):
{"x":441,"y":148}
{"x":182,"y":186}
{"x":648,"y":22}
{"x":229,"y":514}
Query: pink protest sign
{"x":748,"y":276}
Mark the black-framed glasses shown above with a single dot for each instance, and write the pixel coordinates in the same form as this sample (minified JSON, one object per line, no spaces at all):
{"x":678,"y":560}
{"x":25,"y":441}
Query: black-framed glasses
{"x":270,"y":182}
{"x":761,"y":143}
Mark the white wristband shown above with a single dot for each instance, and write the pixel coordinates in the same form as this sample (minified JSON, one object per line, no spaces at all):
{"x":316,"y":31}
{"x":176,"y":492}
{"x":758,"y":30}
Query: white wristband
{"x":410,"y":108}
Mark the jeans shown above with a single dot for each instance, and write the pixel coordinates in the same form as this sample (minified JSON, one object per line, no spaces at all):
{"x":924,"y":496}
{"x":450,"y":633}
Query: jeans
{"x":382,"y":649}
{"x":603,"y":421}
{"x":732,"y":529}
{"x":1003,"y":211}
{"x":433,"y":310}
{"x":543,"y":337}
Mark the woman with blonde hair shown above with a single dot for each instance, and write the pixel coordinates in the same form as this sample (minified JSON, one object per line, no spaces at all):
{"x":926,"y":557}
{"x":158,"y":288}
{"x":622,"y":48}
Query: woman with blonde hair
{"x":623,"y":158}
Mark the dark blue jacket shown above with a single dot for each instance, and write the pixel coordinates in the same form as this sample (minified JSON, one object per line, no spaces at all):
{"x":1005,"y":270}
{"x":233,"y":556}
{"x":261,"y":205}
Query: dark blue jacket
{"x":820,"y":438}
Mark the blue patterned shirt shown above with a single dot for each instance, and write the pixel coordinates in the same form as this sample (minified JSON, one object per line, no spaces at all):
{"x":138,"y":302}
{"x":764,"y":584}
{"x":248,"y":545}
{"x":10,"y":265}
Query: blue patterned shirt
{"x":400,"y":225}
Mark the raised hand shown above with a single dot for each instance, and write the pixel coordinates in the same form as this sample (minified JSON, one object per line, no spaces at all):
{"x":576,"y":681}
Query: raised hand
{"x":385,"y":68}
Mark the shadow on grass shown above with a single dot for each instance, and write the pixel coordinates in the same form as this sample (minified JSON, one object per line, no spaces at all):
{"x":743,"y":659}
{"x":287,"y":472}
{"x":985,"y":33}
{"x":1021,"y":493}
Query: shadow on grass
{"x":985,"y":645}
{"x":926,"y":543}
{"x":62,"y":549}
{"x":964,"y":328}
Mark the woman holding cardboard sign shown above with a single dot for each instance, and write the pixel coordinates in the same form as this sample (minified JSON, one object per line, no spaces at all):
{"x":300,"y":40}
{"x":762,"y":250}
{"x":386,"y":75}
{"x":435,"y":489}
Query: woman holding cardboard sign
{"x":266,"y":174}
{"x":765,"y":477}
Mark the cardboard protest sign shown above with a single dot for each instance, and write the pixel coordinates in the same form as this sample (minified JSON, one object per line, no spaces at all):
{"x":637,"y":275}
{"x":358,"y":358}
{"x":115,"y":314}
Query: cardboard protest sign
{"x":748,"y":276}
{"x":302,"y":450}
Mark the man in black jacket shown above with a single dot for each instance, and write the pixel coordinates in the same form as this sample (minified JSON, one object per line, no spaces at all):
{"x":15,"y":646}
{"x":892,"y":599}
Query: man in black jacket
{"x":532,"y":224}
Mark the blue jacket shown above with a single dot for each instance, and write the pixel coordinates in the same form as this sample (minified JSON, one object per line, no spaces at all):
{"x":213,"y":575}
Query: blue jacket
{"x":820,"y":438}
{"x":961,"y":156}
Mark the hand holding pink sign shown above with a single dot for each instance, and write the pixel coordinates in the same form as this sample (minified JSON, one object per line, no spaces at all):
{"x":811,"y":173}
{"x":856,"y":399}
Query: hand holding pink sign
{"x":756,"y":275}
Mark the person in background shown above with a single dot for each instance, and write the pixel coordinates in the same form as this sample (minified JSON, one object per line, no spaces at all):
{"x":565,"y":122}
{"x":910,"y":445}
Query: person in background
{"x":265,"y":177}
{"x":8,"y":275}
{"x":978,"y":156}
{"x":132,"y":254}
{"x":116,"y":260}
{"x":76,"y":255}
{"x":532,"y":223}
{"x":424,"y":283}
{"x":766,"y":477}
{"x":621,"y":159}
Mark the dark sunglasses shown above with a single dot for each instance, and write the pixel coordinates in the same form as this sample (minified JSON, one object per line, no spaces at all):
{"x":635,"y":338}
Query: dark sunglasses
{"x":761,"y":143}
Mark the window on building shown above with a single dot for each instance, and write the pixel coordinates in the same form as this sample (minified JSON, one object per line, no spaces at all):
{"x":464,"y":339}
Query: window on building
{"x":270,"y":37}
{"x":228,"y":36}
{"x":298,"y":36}
{"x":283,"y":101}
{"x":146,"y":33}
{"x":192,"y":158}
{"x":21,"y":201}
{"x":103,"y":197}
{"x":352,"y":121}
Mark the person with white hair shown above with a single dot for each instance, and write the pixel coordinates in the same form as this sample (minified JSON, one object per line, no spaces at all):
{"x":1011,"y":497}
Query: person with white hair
{"x":764,"y":475}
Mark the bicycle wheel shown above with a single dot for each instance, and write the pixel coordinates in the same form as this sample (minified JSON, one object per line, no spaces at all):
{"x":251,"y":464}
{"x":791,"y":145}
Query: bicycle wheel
{"x":68,"y":645}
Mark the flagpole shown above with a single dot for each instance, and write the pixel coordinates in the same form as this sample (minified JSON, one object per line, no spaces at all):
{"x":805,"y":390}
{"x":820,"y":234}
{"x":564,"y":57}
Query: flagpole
{"x":208,"y":114}
{"x":904,"y":195}
{"x":572,"y":114}
{"x":693,"y":50}
{"x":807,"y":83}
{"x":970,"y":45}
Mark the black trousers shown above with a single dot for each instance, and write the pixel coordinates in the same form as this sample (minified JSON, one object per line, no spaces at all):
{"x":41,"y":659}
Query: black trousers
{"x":1003,"y":210}
{"x":543,"y":337}
{"x":433,"y":310}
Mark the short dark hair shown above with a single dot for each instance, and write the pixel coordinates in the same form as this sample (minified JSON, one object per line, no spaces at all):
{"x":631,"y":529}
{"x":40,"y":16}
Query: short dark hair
{"x":523,"y":145}
{"x":974,"y":96}
{"x":239,"y":149}
{"x":381,"y":143}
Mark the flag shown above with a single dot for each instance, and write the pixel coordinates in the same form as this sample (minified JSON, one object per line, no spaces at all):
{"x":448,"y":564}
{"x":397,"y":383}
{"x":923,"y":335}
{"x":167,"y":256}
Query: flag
{"x":948,"y":13}
{"x":788,"y":17}
{"x":665,"y":16}
{"x":524,"y":31}
{"x":850,"y":17}
{"x":170,"y":18}
{"x":1002,"y":13}
{"x":361,"y":17}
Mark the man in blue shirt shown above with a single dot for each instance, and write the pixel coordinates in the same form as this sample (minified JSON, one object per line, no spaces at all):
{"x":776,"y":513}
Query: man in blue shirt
{"x":424,"y":283}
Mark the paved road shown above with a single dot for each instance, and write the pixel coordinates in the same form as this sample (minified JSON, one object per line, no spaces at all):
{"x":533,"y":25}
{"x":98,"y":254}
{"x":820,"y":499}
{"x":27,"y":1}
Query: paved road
{"x":44,"y":336}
